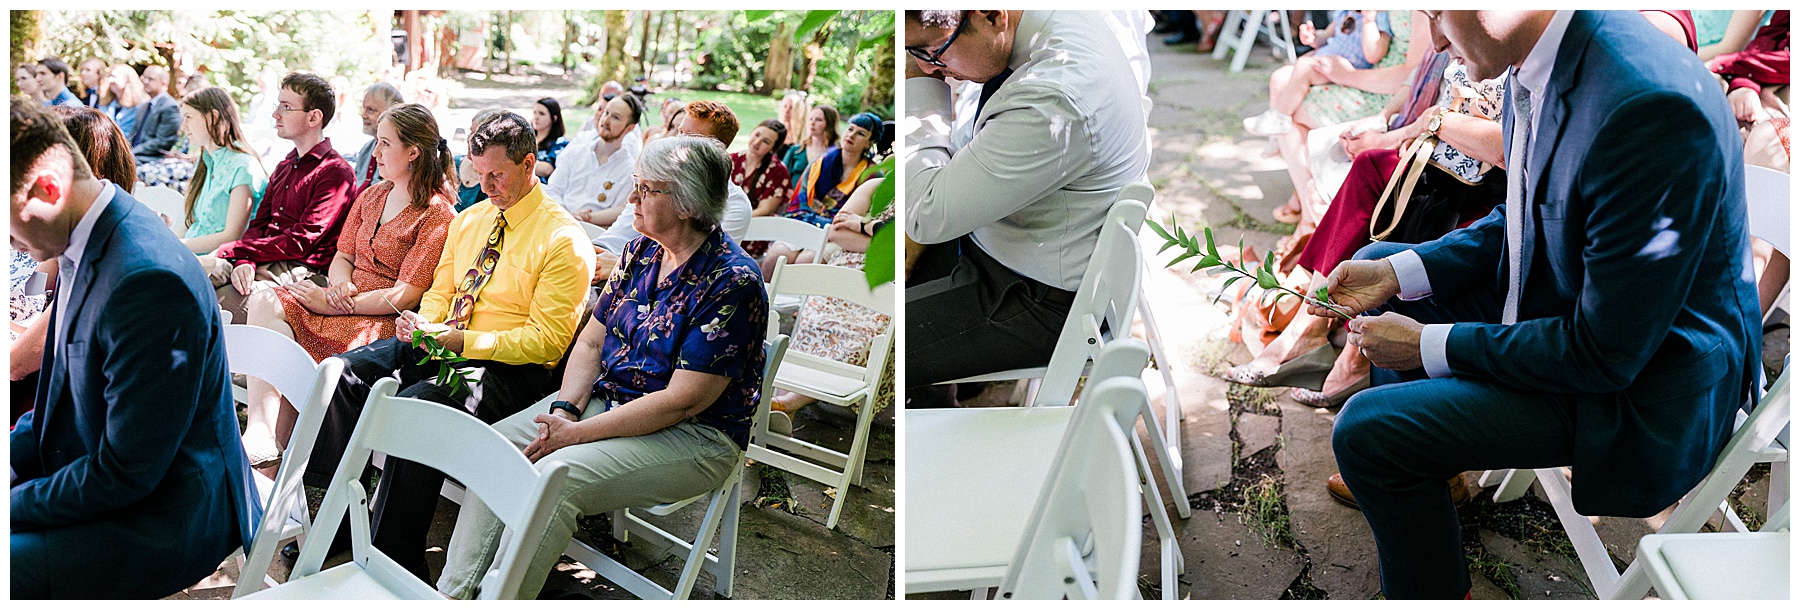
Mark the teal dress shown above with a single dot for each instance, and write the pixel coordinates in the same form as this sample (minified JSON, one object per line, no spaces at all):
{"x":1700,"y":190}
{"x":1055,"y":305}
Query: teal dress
{"x":225,"y":170}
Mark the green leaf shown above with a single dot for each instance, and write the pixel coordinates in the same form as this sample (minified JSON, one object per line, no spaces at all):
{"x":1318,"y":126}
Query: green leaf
{"x":813,"y":20}
{"x":1212,"y":251}
{"x":883,"y":197}
{"x":755,"y":16}
{"x":1184,"y":256}
{"x":878,"y":267}
{"x":1265,"y":279}
{"x":1157,"y":228}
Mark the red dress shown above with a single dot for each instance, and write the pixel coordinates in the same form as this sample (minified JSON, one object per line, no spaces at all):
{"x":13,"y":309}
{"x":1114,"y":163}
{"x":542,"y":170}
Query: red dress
{"x":772,"y":182}
{"x":404,"y":249}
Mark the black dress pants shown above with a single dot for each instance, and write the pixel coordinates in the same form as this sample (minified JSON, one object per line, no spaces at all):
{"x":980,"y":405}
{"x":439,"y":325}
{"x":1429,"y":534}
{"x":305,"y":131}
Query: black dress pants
{"x":967,"y":314}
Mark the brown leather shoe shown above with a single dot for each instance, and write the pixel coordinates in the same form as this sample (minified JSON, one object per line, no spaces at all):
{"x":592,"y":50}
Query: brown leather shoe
{"x":1459,"y":491}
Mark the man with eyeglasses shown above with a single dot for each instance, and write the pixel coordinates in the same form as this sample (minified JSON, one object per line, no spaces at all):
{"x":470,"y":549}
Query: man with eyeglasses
{"x":1010,"y":219}
{"x":509,"y":292}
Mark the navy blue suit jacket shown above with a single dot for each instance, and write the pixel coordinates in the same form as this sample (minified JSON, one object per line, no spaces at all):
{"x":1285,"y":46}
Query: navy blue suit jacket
{"x":133,"y":453}
{"x":1638,"y":294}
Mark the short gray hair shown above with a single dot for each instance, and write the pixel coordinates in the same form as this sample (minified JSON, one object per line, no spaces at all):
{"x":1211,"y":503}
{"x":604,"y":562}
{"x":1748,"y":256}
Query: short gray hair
{"x":699,"y":170}
{"x":507,"y":130}
{"x":386,"y":92}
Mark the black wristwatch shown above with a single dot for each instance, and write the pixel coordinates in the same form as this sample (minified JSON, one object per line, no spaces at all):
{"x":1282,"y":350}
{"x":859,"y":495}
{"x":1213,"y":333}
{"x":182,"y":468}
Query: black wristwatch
{"x":564,"y":405}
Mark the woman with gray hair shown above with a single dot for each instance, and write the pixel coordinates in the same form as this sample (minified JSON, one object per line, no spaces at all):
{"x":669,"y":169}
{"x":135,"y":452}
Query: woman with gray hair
{"x":660,"y":386}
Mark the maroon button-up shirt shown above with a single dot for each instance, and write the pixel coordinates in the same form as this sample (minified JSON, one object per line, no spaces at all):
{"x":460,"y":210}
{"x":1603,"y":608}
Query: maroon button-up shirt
{"x":301,"y":211}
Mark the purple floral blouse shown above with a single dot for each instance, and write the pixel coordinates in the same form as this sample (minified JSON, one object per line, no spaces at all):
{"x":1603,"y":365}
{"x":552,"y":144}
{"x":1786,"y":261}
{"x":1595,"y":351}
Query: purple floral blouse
{"x":710,"y":317}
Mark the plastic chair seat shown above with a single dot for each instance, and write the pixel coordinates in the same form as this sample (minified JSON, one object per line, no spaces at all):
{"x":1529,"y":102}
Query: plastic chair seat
{"x":823,"y":385}
{"x":1740,"y":565}
{"x":977,"y":514}
{"x":347,"y":581}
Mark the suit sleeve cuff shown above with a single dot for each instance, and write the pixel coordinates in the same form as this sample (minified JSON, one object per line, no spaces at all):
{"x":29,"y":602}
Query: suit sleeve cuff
{"x":1410,"y":271}
{"x":1433,"y":343}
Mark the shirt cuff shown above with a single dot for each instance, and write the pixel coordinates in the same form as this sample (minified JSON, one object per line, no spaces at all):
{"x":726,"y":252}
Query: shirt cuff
{"x":1434,"y":341}
{"x":1410,"y":271}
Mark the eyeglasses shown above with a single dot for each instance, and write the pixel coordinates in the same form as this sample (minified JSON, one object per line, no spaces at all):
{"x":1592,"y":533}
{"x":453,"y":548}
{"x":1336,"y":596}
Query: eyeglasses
{"x":283,"y":107}
{"x":935,"y":58}
{"x":642,"y":190}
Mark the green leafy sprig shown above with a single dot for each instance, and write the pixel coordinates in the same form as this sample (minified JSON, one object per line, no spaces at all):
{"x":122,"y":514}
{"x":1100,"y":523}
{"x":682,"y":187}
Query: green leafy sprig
{"x":1210,"y":261}
{"x":448,"y":375}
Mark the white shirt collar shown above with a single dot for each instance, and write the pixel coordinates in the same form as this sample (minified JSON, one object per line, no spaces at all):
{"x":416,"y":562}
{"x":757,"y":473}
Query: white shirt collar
{"x":1534,"y":72}
{"x":85,"y":227}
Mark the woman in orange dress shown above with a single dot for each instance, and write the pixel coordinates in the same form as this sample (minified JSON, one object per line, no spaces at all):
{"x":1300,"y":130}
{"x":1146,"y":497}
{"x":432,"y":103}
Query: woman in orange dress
{"x":386,"y":255}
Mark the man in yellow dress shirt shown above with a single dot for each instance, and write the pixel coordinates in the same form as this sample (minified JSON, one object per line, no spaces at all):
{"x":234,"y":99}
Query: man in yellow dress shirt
{"x":508,"y":294}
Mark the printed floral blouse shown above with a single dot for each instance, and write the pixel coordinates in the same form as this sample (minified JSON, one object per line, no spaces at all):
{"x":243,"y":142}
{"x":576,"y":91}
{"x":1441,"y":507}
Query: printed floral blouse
{"x":710,"y":317}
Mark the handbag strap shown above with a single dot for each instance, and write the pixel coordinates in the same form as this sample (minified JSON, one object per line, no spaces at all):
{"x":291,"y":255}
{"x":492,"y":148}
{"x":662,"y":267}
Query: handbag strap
{"x":1406,"y":176}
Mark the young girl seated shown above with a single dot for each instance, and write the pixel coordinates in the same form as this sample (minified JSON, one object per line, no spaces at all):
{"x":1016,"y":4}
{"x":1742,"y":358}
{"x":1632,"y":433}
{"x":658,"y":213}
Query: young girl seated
{"x":228,"y":178}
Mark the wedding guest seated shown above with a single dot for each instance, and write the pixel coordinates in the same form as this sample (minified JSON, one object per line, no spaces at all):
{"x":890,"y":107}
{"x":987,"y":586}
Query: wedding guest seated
{"x":1355,"y":40}
{"x":157,"y":132}
{"x":821,"y":136}
{"x":468,"y":181}
{"x":376,"y":99}
{"x":506,"y":293}
{"x":828,"y":183}
{"x":131,"y":456}
{"x":93,"y":75}
{"x":385,"y":259}
{"x":123,"y":99}
{"x":293,"y":235}
{"x":595,"y":174}
{"x":228,"y":181}
{"x":660,"y":388}
{"x":25,"y":78}
{"x":758,"y":169}
{"x":700,"y":118}
{"x":547,"y":120}
{"x":672,"y":110}
{"x":53,"y":83}
{"x":1757,"y":77}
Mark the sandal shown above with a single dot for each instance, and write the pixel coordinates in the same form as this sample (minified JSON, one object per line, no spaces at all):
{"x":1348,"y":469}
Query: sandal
{"x":1288,"y":214}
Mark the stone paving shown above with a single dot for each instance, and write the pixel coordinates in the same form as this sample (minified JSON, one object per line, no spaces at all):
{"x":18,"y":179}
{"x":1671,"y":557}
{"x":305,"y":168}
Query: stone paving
{"x":1255,"y":462}
{"x":784,"y":549}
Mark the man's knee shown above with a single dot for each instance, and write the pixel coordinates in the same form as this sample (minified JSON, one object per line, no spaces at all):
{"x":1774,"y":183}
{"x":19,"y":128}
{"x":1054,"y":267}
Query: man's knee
{"x":1362,"y":426}
{"x":30,"y":573}
{"x":1380,"y":250}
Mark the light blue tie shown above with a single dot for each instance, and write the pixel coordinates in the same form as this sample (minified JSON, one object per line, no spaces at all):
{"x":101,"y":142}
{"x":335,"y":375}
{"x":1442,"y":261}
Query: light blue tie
{"x":1516,"y":205}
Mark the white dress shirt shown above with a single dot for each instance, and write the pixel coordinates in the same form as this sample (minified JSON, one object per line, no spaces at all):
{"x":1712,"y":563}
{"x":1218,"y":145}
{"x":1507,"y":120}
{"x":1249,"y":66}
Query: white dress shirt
{"x":582,"y":182}
{"x":1051,"y":150}
{"x":736,"y":221}
{"x":1534,"y":75}
{"x":68,"y":264}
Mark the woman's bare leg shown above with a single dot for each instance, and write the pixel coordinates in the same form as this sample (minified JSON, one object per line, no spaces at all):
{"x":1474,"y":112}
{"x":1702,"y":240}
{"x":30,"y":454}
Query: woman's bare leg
{"x":271,"y":417}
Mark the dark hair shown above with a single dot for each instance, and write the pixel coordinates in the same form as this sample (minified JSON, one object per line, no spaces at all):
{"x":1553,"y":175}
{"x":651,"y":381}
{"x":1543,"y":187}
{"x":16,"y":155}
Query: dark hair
{"x":508,"y":130}
{"x":418,"y":129}
{"x":934,"y":19}
{"x":108,"y":152}
{"x":35,"y":130}
{"x":724,"y":123}
{"x":56,"y":66}
{"x":780,"y":135}
{"x":219,"y":112}
{"x":315,"y":90}
{"x":556,"y":122}
{"x":831,"y":124}
{"x":637,"y":109}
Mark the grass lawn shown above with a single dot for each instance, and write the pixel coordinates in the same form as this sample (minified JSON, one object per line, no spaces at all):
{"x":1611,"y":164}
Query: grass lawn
{"x":749,"y":107}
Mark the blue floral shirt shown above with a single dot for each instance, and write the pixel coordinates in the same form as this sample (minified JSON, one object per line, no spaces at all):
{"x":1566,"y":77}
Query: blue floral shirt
{"x":710,"y":316}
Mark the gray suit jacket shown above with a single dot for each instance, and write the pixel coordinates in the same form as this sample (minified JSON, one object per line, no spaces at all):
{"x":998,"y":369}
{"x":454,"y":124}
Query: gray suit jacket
{"x":157,"y":128}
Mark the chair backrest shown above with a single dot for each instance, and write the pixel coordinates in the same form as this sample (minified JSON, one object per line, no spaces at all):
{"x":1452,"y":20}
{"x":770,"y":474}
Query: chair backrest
{"x":1762,"y":428}
{"x":1105,"y":303}
{"x":1766,"y":192}
{"x":774,"y":350}
{"x":844,"y":283}
{"x":166,"y":201}
{"x":463,"y":448}
{"x":594,"y":231}
{"x":1085,"y":534}
{"x":806,"y":235}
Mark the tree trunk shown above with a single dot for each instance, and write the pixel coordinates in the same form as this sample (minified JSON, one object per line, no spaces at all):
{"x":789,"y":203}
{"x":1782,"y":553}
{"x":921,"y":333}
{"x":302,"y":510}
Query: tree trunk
{"x":570,"y":29}
{"x":27,"y":32}
{"x":880,"y":93}
{"x":415,"y":40}
{"x":778,"y":73}
{"x":815,"y":49}
{"x":644,"y":45}
{"x":614,"y":63}
{"x":509,"y":41}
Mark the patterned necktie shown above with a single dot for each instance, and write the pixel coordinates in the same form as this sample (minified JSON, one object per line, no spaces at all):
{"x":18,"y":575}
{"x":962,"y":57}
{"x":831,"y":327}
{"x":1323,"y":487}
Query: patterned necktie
{"x":369,"y":174}
{"x":1516,"y":205}
{"x":464,"y":305}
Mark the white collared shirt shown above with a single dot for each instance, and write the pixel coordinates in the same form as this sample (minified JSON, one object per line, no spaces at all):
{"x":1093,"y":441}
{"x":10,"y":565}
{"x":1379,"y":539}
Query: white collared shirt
{"x":582,"y":182}
{"x":1534,"y":75}
{"x":68,"y":265}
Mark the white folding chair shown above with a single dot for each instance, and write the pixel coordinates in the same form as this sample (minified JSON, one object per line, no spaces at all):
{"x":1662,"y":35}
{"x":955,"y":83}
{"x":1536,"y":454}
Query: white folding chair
{"x":1239,"y":33}
{"x":594,"y":231}
{"x":721,"y":519}
{"x":827,"y":380}
{"x":267,"y":355}
{"x":799,"y":234}
{"x":973,"y":474}
{"x":168,"y":202}
{"x":462,"y":447}
{"x":1084,"y":536}
{"x":1738,"y":565}
{"x":1766,"y":193}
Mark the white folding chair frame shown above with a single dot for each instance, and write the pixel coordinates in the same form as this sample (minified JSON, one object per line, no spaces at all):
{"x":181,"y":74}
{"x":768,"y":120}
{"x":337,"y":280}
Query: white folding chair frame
{"x":593,"y":231}
{"x":721,"y":519}
{"x":1239,"y":32}
{"x":267,"y":355}
{"x":460,"y":446}
{"x":168,"y":202}
{"x":1736,"y":565}
{"x":818,"y":378}
{"x":805,"y":235}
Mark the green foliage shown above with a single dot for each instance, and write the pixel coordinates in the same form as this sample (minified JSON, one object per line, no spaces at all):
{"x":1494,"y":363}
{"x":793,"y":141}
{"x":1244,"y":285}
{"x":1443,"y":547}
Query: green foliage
{"x":878,"y":267}
{"x":453,"y":378}
{"x":739,"y":52}
{"x":232,"y":46}
{"x":1263,"y":275}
